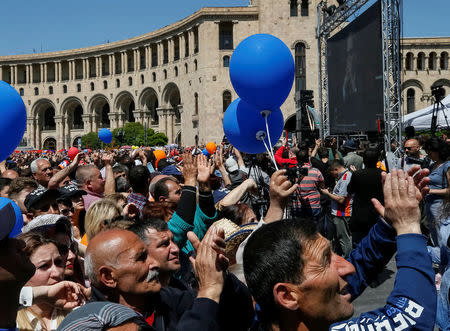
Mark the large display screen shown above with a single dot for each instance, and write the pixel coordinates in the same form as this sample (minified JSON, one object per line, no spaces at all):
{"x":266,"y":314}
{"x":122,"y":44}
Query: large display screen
{"x":355,"y":74}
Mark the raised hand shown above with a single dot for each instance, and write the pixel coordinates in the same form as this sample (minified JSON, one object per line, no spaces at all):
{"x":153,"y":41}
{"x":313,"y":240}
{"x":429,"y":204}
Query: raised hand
{"x":189,"y":170}
{"x":203,"y":169}
{"x":210,"y":262}
{"x":401,"y":207}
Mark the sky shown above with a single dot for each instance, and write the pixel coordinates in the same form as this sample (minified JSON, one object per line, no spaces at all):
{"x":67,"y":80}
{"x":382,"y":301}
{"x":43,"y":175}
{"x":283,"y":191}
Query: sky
{"x":30,"y":26}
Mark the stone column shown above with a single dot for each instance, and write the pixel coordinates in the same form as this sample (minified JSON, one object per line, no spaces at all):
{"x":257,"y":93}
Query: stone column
{"x":191,"y":41}
{"x":27,"y":74}
{"x":147,"y":57}
{"x":111,"y":68}
{"x":41,"y":68}
{"x":1,"y":73}
{"x":137,"y":63}
{"x":31,"y":131}
{"x":122,"y":60}
{"x":113,"y":120}
{"x":87,"y":123}
{"x":59,"y":132}
{"x":181,"y":45}
{"x":97,"y":66}
{"x":113,"y":65}
{"x":170,"y":49}
{"x":59,"y":71}
{"x":160,"y":53}
{"x":170,"y":124}
{"x":162,"y":114}
{"x":45,"y":73}
{"x":94,"y":127}
{"x":31,"y":74}
{"x":70,"y":70}
{"x":15,"y":74}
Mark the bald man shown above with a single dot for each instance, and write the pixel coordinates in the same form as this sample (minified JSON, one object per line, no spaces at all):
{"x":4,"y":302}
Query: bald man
{"x":121,"y":271}
{"x":11,"y":174}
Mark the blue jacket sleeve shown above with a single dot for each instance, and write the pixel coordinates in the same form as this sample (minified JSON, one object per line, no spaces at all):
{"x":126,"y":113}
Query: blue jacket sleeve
{"x":179,"y":228}
{"x":370,"y":257}
{"x":412,"y":303}
{"x":201,"y":316}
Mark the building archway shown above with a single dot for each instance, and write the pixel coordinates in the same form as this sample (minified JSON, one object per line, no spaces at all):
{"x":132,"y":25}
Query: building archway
{"x":148,"y":101}
{"x":75,"y":141}
{"x":99,"y":107}
{"x":171,"y":99}
{"x":50,"y":143}
{"x":125,"y":105}
{"x":72,"y":109}
{"x":291,"y":123}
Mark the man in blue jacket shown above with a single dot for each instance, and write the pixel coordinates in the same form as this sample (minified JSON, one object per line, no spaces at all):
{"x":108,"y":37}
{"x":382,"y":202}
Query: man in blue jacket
{"x":299,"y":283}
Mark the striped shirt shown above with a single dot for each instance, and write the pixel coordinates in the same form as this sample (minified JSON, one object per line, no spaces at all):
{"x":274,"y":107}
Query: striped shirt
{"x":307,"y":193}
{"x":342,"y":209}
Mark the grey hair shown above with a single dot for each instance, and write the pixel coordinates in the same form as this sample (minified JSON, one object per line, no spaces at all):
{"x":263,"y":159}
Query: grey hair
{"x":89,"y":269}
{"x":34,"y":166}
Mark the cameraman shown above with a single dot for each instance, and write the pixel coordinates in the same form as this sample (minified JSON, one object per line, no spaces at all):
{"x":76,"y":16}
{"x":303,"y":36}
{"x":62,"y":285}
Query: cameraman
{"x":306,"y":199}
{"x":413,"y":155}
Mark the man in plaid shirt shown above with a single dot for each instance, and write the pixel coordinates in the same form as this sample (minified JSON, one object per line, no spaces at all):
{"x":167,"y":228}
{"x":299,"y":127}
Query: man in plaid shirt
{"x":139,"y":181}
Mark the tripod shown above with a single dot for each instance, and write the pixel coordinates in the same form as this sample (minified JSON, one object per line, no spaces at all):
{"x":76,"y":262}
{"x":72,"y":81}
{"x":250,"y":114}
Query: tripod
{"x":438,"y":105}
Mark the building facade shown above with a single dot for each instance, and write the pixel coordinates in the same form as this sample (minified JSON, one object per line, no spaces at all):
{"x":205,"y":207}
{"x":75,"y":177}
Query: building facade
{"x":176,"y":79}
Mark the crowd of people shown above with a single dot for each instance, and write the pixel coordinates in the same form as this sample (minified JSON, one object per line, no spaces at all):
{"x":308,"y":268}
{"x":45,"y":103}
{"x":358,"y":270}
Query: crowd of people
{"x":124,"y":240}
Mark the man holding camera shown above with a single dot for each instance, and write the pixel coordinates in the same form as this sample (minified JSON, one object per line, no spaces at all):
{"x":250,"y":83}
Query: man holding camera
{"x":413,"y":155}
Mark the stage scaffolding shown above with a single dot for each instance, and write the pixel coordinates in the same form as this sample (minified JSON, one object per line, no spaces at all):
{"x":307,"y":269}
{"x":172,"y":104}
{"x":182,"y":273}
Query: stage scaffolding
{"x":390,"y":26}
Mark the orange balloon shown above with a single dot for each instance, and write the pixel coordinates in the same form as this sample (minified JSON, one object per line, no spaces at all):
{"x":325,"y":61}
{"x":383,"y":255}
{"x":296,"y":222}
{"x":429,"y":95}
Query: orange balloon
{"x":211,"y":147}
{"x":159,"y":154}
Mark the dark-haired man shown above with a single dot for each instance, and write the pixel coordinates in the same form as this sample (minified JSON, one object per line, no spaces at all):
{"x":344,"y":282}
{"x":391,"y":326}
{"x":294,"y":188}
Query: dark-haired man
{"x":299,"y":283}
{"x":139,"y":181}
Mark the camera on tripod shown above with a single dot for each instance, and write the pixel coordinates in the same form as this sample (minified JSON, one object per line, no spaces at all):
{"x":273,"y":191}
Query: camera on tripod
{"x":438,"y":92}
{"x":295,"y":173}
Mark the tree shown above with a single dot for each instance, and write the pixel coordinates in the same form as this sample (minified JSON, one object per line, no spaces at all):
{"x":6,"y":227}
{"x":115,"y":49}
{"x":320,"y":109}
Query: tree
{"x":91,"y":140}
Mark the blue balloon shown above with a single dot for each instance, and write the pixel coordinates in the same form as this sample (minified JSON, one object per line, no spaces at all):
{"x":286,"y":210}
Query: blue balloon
{"x":262,"y":71}
{"x":105,"y":135}
{"x":13,"y":121}
{"x":17,"y":229}
{"x":205,"y":152}
{"x":243,"y":124}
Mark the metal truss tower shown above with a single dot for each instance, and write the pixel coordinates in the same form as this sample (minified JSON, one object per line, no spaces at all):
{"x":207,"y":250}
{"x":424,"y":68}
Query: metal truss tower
{"x":390,"y":32}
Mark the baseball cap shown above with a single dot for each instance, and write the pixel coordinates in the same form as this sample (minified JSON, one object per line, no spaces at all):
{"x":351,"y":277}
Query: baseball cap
{"x":231,"y":164}
{"x":38,"y":195}
{"x":70,"y":190}
{"x":7,"y":220}
{"x":350,"y":144}
{"x":171,"y":170}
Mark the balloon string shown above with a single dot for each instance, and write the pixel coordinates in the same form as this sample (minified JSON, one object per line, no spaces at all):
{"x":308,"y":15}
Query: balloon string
{"x":270,"y":144}
{"x":272,"y":157}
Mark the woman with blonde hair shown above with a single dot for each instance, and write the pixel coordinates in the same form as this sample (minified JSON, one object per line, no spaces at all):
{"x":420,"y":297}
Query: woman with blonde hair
{"x":50,"y":263}
{"x":97,"y":214}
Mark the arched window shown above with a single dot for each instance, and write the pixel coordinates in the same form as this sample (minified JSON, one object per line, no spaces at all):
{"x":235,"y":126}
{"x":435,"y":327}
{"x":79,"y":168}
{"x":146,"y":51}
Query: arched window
{"x":50,"y":90}
{"x":186,"y":68}
{"x":300,"y":67}
{"x":409,"y":65}
{"x":49,"y":119}
{"x":305,"y":8}
{"x":226,"y":99}
{"x":92,"y":86}
{"x":165,"y":74}
{"x":432,"y":61}
{"x":36,"y":91}
{"x":421,"y":61}
{"x":444,"y":61}
{"x":78,"y":87}
{"x":117,"y":82}
{"x":196,"y":103}
{"x":130,"y":81}
{"x":105,"y":84}
{"x":64,"y":88}
{"x":195,"y":65}
{"x":154,"y":76}
{"x":142,"y":79}
{"x":294,"y":8}
{"x":21,"y":92}
{"x":410,"y":100}
{"x":226,"y":61}
{"x":176,"y":71}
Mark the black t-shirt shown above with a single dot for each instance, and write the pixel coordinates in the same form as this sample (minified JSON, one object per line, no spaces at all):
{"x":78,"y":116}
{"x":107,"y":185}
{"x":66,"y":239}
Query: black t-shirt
{"x":365,"y":185}
{"x":324,"y":169}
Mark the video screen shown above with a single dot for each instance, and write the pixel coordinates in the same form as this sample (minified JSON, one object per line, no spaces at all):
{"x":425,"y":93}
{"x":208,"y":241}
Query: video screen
{"x":355,"y":74}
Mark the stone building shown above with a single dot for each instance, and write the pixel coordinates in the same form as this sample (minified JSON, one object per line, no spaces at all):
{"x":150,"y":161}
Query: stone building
{"x":176,"y":79}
